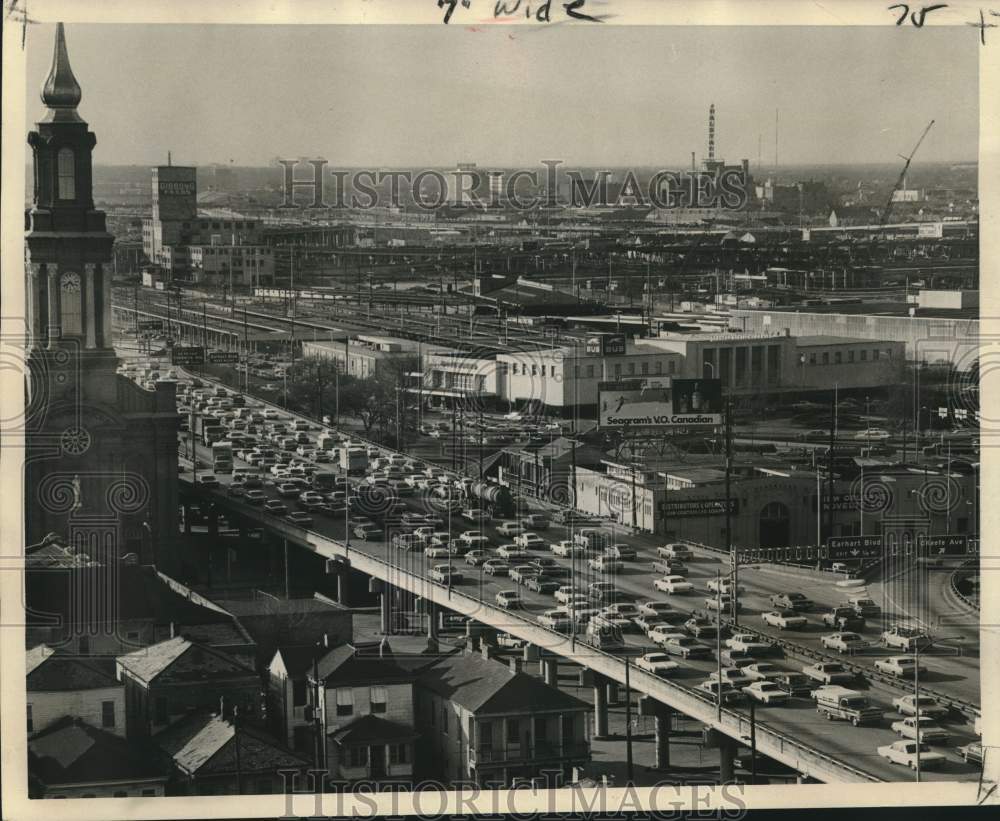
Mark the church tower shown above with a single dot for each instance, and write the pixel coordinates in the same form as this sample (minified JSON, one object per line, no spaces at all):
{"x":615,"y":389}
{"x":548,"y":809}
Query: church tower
{"x":101,"y":452}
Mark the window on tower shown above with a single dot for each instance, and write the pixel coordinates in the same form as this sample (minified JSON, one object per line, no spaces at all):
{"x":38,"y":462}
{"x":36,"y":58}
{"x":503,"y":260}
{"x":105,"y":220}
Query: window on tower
{"x":67,"y":175}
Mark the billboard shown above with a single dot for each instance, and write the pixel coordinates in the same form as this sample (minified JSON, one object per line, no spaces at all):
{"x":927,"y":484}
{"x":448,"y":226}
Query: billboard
{"x":660,"y":403}
{"x":606,"y":344}
{"x":697,"y":507}
{"x":175,"y":192}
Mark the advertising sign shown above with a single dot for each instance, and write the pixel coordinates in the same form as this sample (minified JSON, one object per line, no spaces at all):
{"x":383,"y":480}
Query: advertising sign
{"x":931,"y":230}
{"x":697,"y":507}
{"x":606,"y":345}
{"x":660,"y":403}
{"x":187,"y":356}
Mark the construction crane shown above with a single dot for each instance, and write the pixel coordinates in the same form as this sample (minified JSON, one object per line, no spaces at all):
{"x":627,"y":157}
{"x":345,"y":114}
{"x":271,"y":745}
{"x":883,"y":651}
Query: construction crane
{"x":884,"y":219}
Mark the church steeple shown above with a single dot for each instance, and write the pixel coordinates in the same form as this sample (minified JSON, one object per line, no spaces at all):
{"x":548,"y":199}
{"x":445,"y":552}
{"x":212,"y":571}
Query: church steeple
{"x":61,"y":92}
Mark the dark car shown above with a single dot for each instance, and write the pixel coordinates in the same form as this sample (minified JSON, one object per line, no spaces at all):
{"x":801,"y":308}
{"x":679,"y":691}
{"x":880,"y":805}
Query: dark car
{"x":542,"y":584}
{"x":276,"y":507}
{"x":795,"y":684}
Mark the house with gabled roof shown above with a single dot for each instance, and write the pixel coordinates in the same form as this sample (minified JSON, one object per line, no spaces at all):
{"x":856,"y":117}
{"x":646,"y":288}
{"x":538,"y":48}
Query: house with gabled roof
{"x":167,"y":680}
{"x":62,"y":684}
{"x":482,"y":721}
{"x":217,"y":754}
{"x":72,"y":759}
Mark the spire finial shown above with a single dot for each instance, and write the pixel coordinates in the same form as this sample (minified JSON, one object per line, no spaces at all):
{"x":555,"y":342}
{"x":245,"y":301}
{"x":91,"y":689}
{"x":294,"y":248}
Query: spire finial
{"x":61,"y":90}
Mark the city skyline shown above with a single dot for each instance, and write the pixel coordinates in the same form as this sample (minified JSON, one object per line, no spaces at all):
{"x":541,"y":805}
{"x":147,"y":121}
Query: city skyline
{"x":457,"y":93}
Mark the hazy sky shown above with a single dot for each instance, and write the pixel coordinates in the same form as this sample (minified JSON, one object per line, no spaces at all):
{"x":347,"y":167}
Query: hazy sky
{"x":590,"y":95}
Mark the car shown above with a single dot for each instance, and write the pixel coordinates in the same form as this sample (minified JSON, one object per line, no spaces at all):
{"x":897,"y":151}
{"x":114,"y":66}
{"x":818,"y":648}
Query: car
{"x":906,"y":753}
{"x":510,"y":551}
{"x":496,"y":567}
{"x":443,"y":573}
{"x":508,"y":599}
{"x":275,"y":507}
{"x":872,"y":434}
{"x":907,"y":706}
{"x":763,"y":671}
{"x":751,"y":643}
{"x":828,"y":672}
{"x":654,"y":608}
{"x":864,"y":607}
{"x":255,"y":497}
{"x":732,"y":675}
{"x":603,"y":592}
{"x":297,"y":517}
{"x":844,"y":618}
{"x":673,"y":585}
{"x":235,"y":489}
{"x":208,"y":480}
{"x":784,"y":619}
{"x":815,"y":436}
{"x":791,"y":601}
{"x":928,"y":730}
{"x":557,"y":619}
{"x":843,"y":642}
{"x":509,"y":528}
{"x":720,"y":602}
{"x":288,"y":490}
{"x":645,"y":622}
{"x":766,"y":692}
{"x":476,"y":557}
{"x":723,"y":585}
{"x":510,"y":642}
{"x":972,"y":752}
{"x":308,"y":496}
{"x":621,"y":624}
{"x":669,"y":567}
{"x":519,"y":574}
{"x":901,"y":666}
{"x":679,"y":644}
{"x":567,"y":593}
{"x":580,"y":613}
{"x":566,"y":549}
{"x":621,"y":551}
{"x":725,"y":692}
{"x":659,"y":664}
{"x":905,"y":638}
{"x":675,"y":550}
{"x":437,"y":551}
{"x":472,"y":537}
{"x":535,"y":521}
{"x":605,"y":564}
{"x":701,"y":627}
{"x":626,"y":610}
{"x":541,"y":584}
{"x":368,"y":533}
{"x":795,"y":684}
{"x":547,"y":566}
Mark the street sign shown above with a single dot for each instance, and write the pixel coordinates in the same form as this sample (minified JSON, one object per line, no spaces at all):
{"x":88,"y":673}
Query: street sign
{"x":854,"y":547}
{"x":220,"y":357}
{"x":187,"y":356}
{"x":944,"y":545}
{"x":151,"y":325}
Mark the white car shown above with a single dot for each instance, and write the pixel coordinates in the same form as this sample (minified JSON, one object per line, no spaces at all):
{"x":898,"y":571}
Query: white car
{"x":496,"y":567}
{"x":566,"y":593}
{"x":783,"y":621}
{"x":442,"y":572}
{"x":763,"y":671}
{"x":723,"y":585}
{"x":436,"y":551}
{"x":654,"y":608}
{"x":557,"y":619}
{"x":901,"y":666}
{"x":471,"y":537}
{"x":905,"y":638}
{"x":673,"y":584}
{"x":872,"y":433}
{"x":929,"y":730}
{"x":529,"y":541}
{"x":907,"y":706}
{"x":511,"y":551}
{"x":843,"y":642}
{"x":905,"y":752}
{"x":508,"y":599}
{"x":509,"y":641}
{"x":766,"y":692}
{"x":566,"y":549}
{"x":659,"y":664}
{"x":750,"y":643}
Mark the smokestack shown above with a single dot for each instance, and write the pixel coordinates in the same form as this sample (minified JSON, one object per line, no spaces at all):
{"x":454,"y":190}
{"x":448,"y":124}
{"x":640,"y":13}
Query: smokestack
{"x":711,"y":133}
{"x":169,"y":159}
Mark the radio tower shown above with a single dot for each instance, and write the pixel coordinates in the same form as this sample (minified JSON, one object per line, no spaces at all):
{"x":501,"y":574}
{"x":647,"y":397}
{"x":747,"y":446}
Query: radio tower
{"x":711,"y":133}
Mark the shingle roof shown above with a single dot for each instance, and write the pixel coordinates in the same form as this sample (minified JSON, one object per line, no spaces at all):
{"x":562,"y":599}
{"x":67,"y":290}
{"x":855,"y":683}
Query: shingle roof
{"x":49,"y":671}
{"x":344,"y":664}
{"x":484,"y":685}
{"x":205,"y":743}
{"x":372,"y":729}
{"x":71,"y":751}
{"x":150,"y":662}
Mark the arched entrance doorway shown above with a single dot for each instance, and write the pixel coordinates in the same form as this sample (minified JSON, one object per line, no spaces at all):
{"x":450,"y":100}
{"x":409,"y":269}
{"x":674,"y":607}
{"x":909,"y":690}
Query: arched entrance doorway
{"x":774,"y":525}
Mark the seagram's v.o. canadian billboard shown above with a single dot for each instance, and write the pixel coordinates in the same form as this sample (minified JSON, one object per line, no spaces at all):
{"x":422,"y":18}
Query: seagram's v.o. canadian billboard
{"x":660,"y":403}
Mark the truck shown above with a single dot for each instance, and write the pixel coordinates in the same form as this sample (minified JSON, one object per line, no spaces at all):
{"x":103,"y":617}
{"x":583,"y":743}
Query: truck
{"x":495,"y":499}
{"x":835,"y":702}
{"x":222,"y":457}
{"x":353,"y":459}
{"x":327,"y":441}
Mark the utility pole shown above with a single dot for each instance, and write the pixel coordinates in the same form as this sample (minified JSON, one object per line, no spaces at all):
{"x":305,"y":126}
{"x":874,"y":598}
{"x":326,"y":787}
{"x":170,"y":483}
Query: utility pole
{"x":829,"y":466}
{"x":733,"y":554}
{"x":317,"y":734}
{"x":630,"y":777}
{"x":718,"y":645}
{"x":236,"y":747}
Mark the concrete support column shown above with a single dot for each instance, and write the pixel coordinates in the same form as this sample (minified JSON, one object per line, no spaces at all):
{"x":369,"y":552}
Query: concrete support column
{"x":342,"y":586}
{"x":727,"y":752}
{"x":600,"y":707}
{"x":613,"y":693}
{"x":432,"y":620}
{"x":664,"y":721}
{"x":385,"y":603}
{"x":551,"y":671}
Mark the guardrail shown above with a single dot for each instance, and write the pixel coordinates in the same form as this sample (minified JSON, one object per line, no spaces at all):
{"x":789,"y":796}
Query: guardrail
{"x":770,"y":741}
{"x":953,"y":582}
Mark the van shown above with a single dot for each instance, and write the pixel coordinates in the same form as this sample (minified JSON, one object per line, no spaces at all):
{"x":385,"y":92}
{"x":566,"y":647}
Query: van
{"x":836,"y":702}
